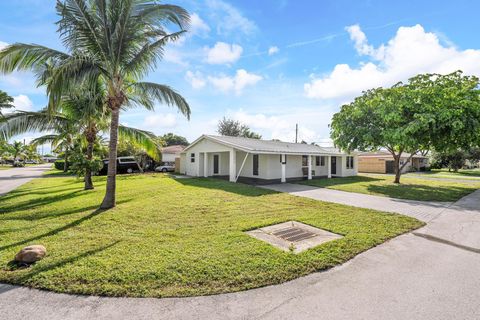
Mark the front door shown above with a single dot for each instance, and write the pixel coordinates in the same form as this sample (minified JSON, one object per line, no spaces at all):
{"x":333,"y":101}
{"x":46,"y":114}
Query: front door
{"x":334,"y":165}
{"x":215,"y":163}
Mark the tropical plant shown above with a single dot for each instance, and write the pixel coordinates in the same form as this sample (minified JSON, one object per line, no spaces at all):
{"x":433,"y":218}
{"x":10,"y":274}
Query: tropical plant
{"x":114,"y":42}
{"x":5,"y":102}
{"x":79,"y":123}
{"x":233,"y":128}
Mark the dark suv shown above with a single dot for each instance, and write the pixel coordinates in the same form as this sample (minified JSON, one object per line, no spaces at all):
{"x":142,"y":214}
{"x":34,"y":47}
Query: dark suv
{"x":124,"y":165}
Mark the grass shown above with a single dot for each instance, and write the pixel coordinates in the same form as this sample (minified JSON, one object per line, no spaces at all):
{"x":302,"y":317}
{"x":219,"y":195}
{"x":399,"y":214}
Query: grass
{"x":170,"y":237}
{"x":461,"y":174}
{"x":409,"y":188}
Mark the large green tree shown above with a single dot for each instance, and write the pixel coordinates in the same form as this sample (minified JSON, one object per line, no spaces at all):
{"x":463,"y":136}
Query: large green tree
{"x":115,"y":42}
{"x":429,"y":111}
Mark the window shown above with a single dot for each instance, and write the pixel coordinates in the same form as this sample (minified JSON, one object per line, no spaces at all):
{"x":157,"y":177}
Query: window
{"x":349,"y":162}
{"x":192,"y":157}
{"x":126,"y":160}
{"x":320,"y":161}
{"x":304,"y":161}
{"x":255,"y":164}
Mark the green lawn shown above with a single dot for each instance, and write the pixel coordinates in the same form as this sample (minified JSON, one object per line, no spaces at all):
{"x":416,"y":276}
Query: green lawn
{"x":172,"y":237}
{"x":461,"y":174}
{"x":409,"y":188}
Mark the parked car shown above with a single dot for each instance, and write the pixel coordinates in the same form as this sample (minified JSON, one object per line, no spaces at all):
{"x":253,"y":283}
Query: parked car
{"x":124,"y":165}
{"x":166,"y":167}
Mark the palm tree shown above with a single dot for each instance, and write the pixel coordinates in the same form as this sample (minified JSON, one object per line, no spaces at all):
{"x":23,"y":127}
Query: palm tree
{"x":5,"y":102}
{"x":114,"y":42}
{"x":76,"y":117}
{"x":17,"y":150}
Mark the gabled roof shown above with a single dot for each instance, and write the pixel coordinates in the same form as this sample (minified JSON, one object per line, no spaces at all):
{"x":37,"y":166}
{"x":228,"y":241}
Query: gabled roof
{"x":267,"y":146}
{"x":173,"y":149}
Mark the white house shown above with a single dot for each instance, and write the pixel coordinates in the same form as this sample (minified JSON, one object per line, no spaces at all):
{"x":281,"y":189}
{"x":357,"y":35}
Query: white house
{"x":170,"y":153}
{"x":262,"y":161}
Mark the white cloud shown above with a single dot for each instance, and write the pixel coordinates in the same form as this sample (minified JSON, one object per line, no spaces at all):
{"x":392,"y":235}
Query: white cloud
{"x":223,"y":53}
{"x":3,"y":45}
{"x":237,"y":83}
{"x":198,"y":26}
{"x":22,"y":102}
{"x":196,"y":79}
{"x":156,"y":121}
{"x":229,"y":19}
{"x":280,"y":127}
{"x":411,"y":51}
{"x":273,"y":50}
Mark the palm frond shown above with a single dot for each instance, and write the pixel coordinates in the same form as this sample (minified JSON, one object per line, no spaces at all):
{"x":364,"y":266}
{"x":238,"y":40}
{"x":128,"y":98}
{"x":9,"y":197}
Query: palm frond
{"x":20,"y":56}
{"x":21,"y":122}
{"x":48,"y":138}
{"x":141,"y":138}
{"x":149,"y":92}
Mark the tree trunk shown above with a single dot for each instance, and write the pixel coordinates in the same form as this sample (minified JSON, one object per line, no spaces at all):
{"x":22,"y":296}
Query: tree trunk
{"x":109,"y":199}
{"x":65,"y":164}
{"x":398,"y":172}
{"x":88,"y":171}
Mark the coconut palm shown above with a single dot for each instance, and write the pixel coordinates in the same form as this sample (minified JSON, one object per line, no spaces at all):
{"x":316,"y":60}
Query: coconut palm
{"x":5,"y":102}
{"x":77,"y":118}
{"x":114,"y":42}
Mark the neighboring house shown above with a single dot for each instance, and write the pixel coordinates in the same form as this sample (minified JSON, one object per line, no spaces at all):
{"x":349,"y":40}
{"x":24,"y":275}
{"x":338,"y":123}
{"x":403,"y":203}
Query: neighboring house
{"x":170,"y":153}
{"x":262,"y":161}
{"x":382,"y":162}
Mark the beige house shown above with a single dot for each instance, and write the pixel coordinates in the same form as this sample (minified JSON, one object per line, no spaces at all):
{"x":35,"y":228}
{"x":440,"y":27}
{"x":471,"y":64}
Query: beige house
{"x":263,"y":161}
{"x":382,"y":162}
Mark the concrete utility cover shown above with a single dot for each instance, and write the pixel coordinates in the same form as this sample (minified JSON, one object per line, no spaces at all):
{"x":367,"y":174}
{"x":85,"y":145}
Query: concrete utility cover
{"x":293,"y":236}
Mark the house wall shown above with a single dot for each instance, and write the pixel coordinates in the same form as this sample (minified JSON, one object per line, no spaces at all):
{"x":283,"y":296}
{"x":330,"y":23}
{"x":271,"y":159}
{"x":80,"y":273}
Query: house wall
{"x":371,"y":165}
{"x":196,"y":168}
{"x":169,"y":157}
{"x":342,"y":170}
{"x":378,"y":164}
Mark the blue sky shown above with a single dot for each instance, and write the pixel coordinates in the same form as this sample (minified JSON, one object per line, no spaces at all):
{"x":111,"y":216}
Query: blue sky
{"x":274,"y":63}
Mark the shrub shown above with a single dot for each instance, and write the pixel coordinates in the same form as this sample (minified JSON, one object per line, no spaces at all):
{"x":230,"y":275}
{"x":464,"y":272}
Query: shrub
{"x":59,"y":164}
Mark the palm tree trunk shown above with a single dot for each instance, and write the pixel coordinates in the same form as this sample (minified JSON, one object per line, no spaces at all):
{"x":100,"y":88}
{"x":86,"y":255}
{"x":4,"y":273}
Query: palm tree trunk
{"x":65,"y":164}
{"x":109,"y":199}
{"x":88,"y":171}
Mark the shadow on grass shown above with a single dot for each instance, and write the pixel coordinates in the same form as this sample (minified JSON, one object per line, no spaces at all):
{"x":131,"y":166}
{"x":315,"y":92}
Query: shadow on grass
{"x":55,"y":231}
{"x":421,"y":192}
{"x":35,"y":202}
{"x":226,"y":186}
{"x":47,"y":267}
{"x":326,"y":182}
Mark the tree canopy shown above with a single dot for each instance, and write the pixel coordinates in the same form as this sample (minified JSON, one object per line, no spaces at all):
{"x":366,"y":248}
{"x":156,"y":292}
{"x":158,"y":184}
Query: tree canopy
{"x":234,"y":128}
{"x":171,"y":139}
{"x":429,"y":111}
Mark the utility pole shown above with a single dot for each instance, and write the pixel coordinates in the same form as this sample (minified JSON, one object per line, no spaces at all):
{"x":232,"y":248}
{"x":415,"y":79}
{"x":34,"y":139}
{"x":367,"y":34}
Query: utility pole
{"x":296,"y":133}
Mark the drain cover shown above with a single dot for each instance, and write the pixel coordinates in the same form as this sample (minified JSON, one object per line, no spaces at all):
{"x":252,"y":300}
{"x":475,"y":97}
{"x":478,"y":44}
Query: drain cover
{"x":294,"y":234}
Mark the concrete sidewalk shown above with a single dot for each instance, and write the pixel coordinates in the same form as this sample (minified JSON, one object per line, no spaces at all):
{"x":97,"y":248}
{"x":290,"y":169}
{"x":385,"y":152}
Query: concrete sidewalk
{"x":421,"y":210}
{"x":459,"y":225}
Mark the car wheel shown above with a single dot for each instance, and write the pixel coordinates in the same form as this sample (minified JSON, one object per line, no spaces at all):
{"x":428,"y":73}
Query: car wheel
{"x":129,"y":170}
{"x":164,"y":170}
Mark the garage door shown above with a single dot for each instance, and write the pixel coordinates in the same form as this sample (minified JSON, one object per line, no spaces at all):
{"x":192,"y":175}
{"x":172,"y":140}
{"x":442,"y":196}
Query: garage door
{"x":389,"y":167}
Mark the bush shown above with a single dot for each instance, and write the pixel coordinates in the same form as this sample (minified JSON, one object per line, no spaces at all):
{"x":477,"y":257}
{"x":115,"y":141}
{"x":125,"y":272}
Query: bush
{"x":59,"y":164}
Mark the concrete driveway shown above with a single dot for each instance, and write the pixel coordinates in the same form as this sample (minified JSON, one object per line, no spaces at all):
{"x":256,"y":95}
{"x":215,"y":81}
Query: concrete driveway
{"x":15,"y":177}
{"x":409,"y":277}
{"x":421,"y":210}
